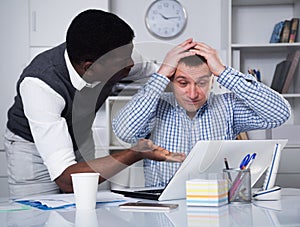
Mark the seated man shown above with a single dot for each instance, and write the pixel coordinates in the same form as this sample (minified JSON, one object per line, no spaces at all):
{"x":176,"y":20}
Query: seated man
{"x":177,"y":120}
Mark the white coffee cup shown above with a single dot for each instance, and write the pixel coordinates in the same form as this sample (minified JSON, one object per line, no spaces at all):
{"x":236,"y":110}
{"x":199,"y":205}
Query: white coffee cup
{"x":86,"y":218}
{"x":85,"y":186}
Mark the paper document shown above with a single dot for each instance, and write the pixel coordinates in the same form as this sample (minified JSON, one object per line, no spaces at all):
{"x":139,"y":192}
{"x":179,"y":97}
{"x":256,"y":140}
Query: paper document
{"x":6,"y":207}
{"x":59,"y":201}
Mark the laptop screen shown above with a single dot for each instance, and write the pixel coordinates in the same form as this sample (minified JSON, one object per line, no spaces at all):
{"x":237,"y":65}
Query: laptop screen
{"x":208,"y":157}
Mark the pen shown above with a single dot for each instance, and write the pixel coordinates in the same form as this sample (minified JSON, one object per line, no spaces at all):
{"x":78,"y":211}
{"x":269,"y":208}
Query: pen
{"x":227,"y":167}
{"x":246,"y":160}
{"x":226,"y":163}
{"x":250,"y":162}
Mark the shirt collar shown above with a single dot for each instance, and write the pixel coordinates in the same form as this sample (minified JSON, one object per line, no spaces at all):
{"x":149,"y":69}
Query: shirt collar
{"x":75,"y":78}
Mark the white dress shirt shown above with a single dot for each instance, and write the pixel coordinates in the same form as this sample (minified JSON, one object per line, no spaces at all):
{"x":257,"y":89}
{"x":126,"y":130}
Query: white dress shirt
{"x":43,"y":107}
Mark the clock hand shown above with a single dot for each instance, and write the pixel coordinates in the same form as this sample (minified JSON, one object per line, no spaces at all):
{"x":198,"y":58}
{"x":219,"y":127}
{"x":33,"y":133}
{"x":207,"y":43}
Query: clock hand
{"x":173,"y":17}
{"x":167,"y":18}
{"x":163,"y":16}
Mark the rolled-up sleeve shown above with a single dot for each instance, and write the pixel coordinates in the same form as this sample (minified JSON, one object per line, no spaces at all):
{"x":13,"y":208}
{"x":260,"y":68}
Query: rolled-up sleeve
{"x":43,"y":107}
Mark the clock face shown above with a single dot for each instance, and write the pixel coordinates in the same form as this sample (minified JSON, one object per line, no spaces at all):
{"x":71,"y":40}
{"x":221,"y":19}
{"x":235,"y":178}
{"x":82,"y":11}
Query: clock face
{"x":165,"y":18}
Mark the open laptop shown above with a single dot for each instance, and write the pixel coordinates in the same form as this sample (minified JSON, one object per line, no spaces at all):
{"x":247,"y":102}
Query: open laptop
{"x":208,"y":157}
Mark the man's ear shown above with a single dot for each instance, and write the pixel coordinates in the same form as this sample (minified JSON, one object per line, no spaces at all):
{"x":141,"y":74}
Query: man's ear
{"x":87,"y":70}
{"x":82,"y":67}
{"x":86,"y":65}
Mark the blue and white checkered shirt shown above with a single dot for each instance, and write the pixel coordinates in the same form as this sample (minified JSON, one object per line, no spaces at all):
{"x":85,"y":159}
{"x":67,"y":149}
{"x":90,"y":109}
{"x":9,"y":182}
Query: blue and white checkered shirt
{"x":249,"y":106}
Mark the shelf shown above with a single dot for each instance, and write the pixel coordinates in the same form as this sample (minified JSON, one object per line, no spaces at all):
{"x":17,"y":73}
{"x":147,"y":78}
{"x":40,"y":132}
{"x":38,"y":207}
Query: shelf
{"x":296,"y":95}
{"x":261,"y":2}
{"x":292,"y":146}
{"x":269,"y":46}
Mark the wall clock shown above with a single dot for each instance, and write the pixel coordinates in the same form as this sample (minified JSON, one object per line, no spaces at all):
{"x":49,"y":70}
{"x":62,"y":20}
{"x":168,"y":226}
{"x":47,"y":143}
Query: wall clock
{"x":165,"y":18}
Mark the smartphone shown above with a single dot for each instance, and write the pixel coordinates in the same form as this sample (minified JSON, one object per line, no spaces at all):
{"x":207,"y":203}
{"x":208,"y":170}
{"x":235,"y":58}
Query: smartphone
{"x":149,"y":206}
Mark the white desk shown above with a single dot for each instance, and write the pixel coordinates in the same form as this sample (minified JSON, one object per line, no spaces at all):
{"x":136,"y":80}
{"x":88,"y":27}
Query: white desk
{"x":285,"y":212}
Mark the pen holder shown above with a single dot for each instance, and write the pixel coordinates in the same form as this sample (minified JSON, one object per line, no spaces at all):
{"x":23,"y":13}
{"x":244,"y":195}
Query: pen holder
{"x":239,"y":184}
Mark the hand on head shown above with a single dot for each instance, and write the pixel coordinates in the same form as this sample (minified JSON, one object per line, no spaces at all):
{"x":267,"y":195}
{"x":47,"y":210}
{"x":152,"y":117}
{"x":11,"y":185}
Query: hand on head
{"x":211,"y":55}
{"x":189,"y":48}
{"x":169,"y":65}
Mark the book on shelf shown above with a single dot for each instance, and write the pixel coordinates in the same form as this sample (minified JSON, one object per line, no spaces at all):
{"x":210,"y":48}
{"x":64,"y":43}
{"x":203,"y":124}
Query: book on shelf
{"x":285,"y":31}
{"x":280,"y":75}
{"x":294,"y":59}
{"x":294,"y":30}
{"x":256,"y":73}
{"x":276,"y":34}
{"x":285,"y":34}
{"x":285,"y":72}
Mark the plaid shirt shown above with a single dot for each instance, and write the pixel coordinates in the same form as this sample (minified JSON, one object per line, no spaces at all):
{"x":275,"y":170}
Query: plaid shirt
{"x":249,"y":106}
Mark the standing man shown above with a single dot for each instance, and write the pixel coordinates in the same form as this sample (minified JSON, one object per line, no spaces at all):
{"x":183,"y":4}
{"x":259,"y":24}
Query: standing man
{"x":49,"y":128}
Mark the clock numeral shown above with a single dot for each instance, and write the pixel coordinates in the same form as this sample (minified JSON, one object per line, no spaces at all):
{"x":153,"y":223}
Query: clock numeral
{"x":166,"y":5}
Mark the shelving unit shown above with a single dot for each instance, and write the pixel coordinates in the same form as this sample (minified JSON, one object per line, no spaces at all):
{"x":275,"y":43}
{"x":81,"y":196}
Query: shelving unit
{"x":250,"y":28}
{"x":112,"y":105}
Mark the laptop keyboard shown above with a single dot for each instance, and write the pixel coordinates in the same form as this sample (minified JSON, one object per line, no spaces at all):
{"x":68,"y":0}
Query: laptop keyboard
{"x":152,"y":191}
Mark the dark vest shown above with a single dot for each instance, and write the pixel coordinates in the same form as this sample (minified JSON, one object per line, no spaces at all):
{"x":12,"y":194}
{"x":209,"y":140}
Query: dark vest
{"x":80,"y":108}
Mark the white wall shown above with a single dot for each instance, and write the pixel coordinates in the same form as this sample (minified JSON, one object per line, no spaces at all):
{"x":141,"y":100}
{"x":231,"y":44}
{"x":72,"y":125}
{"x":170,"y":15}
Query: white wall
{"x":14,"y":56}
{"x":205,"y":30}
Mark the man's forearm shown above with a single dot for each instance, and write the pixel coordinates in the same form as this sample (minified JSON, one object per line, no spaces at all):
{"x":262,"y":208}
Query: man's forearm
{"x":270,"y":106}
{"x":106,"y":166}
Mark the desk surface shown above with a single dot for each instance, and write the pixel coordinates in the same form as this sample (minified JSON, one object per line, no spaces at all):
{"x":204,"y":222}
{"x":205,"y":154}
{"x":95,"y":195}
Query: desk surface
{"x":285,"y":212}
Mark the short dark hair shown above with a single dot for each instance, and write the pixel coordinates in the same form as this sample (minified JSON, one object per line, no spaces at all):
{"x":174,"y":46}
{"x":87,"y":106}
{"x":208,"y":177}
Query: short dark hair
{"x":93,"y":33}
{"x":193,"y":60}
